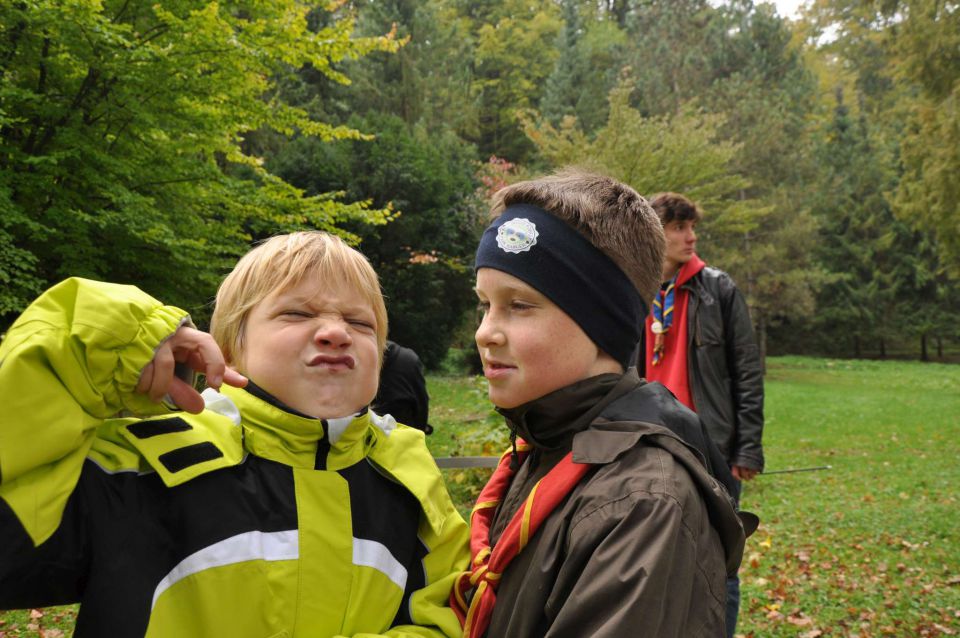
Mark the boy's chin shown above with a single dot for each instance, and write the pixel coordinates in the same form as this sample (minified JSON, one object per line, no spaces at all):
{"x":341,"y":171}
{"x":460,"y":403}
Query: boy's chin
{"x":332,"y":411}
{"x":504,"y":401}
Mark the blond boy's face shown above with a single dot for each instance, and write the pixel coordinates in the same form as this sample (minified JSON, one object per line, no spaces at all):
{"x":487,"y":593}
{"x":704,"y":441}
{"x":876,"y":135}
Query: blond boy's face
{"x":314,"y":347}
{"x":528,"y":345}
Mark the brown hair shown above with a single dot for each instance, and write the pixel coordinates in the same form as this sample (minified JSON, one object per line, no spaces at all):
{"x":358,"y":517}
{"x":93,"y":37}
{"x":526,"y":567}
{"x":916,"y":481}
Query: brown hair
{"x":672,"y":207}
{"x":281,"y":262}
{"x":611,"y":215}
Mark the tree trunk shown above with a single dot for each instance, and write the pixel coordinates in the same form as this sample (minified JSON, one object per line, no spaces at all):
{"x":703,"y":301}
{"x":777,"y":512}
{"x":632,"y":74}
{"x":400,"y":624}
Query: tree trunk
{"x":939,"y":347}
{"x":856,"y":346}
{"x":883,"y":348}
{"x":923,"y":347}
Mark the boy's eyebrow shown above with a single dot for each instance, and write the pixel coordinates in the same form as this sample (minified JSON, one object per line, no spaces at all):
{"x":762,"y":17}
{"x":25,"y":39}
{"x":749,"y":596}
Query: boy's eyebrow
{"x":284,"y":297}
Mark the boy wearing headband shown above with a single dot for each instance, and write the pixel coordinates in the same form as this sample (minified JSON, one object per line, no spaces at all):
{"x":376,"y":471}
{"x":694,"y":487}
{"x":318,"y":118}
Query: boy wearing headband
{"x":278,"y":506}
{"x":604,"y":520}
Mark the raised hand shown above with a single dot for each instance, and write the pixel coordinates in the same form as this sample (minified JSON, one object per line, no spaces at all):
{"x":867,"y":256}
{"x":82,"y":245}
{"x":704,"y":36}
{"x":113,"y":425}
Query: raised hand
{"x":199,"y":351}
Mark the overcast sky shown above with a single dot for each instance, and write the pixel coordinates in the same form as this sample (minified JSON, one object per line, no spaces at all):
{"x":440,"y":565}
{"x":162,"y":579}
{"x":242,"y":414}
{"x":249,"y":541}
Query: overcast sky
{"x":787,"y":8}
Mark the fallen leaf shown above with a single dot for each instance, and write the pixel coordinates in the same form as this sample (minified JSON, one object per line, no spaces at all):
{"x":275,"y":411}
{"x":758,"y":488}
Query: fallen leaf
{"x":799,"y":620}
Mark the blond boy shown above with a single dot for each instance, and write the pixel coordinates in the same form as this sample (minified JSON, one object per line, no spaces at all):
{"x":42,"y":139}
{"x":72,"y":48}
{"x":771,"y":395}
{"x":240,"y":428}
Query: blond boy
{"x":605,"y":520}
{"x":283,"y":507}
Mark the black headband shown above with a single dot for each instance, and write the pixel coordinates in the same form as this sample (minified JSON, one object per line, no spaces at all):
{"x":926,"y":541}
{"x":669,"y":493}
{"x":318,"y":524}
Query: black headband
{"x":544,"y":252}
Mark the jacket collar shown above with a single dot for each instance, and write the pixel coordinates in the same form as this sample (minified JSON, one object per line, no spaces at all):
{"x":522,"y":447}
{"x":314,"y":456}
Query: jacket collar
{"x":689,"y":269}
{"x":599,"y":445}
{"x":550,"y":422}
{"x":277,"y":432}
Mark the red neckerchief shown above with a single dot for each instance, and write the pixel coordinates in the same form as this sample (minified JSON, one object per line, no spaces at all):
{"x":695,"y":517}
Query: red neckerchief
{"x":671,"y":370}
{"x":488,"y":566}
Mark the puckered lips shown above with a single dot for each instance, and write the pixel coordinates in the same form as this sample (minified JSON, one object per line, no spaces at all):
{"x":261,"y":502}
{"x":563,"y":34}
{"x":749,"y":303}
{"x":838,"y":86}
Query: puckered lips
{"x":333,"y":362}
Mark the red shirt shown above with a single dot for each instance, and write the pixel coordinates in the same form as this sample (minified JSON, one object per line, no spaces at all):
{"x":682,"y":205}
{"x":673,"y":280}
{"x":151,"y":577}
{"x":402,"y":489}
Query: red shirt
{"x":672,"y":369}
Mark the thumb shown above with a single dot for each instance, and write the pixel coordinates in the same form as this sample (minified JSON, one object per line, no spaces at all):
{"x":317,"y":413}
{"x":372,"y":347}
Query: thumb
{"x":185,"y":396}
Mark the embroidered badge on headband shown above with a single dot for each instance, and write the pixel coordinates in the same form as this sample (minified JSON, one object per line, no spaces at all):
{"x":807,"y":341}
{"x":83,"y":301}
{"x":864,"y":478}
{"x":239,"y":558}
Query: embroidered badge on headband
{"x":517,"y":235}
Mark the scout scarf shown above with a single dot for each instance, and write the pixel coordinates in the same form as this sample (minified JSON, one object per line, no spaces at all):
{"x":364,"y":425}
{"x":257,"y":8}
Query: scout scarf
{"x":662,"y":318}
{"x":487,"y":566}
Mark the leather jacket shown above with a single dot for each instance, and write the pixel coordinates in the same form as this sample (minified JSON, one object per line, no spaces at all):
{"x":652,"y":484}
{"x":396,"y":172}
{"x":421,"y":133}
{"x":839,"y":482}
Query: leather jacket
{"x":726,"y":375}
{"x":724,"y":367}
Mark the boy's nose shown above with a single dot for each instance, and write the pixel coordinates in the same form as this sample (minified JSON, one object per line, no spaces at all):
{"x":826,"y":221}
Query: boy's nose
{"x":333,"y":333}
{"x":487,"y":332}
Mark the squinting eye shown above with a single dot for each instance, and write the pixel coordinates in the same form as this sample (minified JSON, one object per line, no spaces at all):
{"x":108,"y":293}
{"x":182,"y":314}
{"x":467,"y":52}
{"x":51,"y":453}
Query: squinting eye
{"x":359,"y":323}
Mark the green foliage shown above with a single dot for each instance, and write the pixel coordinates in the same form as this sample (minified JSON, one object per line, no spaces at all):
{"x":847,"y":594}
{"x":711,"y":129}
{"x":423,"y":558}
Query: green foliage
{"x":927,"y":48}
{"x":765,"y":89}
{"x":904,"y":55}
{"x":929,"y":192}
{"x":514,"y":54}
{"x":682,"y":152}
{"x":122,"y":142}
{"x":679,"y":153}
{"x":427,"y":300}
{"x":590,"y":51}
{"x":671,"y":57}
{"x":465,"y":424}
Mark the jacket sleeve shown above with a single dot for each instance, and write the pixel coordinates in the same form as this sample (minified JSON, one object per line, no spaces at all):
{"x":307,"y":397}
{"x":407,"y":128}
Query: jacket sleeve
{"x":746,"y":377}
{"x":69,"y":362}
{"x":442,"y":531}
{"x":429,"y":610}
{"x":634,"y":566}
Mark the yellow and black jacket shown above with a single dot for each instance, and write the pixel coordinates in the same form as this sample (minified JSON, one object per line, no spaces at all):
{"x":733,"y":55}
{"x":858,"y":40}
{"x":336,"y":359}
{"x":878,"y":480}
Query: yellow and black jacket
{"x":246,"y":520}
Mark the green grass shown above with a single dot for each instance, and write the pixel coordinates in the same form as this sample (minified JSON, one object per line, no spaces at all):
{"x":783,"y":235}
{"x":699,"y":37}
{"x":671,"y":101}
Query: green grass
{"x":870,"y":547}
{"x":867,"y":549}
{"x":52,"y":622}
{"x":464,"y":425}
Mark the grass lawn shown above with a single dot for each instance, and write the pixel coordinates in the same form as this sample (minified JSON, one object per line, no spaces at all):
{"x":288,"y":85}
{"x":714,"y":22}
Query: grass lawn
{"x":869,"y":548}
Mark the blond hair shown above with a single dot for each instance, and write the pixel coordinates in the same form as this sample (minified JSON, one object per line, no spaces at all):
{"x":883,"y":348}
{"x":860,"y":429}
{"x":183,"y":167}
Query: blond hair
{"x":280,"y":263}
{"x":611,"y":215}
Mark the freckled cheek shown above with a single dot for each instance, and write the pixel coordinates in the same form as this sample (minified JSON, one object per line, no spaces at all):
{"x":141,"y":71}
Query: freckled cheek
{"x":545,"y":354}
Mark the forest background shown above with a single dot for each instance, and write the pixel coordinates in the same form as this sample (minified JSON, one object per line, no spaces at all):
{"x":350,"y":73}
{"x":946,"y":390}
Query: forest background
{"x":151,"y":143}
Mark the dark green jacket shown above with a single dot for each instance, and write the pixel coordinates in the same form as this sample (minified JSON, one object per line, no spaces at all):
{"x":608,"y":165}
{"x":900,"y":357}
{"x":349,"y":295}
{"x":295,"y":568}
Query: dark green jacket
{"x":642,"y":545}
